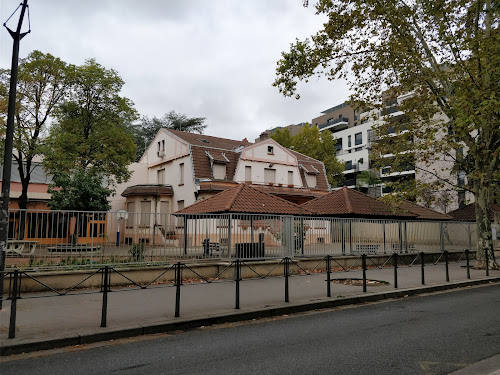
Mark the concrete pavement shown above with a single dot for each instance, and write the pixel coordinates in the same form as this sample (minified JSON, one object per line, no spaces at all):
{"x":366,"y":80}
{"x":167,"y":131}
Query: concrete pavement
{"x":45,"y":320}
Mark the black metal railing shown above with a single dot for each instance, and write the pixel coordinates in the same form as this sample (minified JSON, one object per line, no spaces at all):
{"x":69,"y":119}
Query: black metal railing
{"x":325,"y":265}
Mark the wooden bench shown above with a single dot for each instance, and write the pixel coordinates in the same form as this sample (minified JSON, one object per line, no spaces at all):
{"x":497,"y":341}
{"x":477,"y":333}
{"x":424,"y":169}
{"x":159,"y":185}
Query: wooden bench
{"x":21,"y":247}
{"x":72,"y":249}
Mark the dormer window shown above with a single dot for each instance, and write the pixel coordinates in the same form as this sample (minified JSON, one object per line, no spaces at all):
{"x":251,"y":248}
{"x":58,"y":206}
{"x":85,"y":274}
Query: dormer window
{"x":270,"y":150}
{"x":203,"y":140}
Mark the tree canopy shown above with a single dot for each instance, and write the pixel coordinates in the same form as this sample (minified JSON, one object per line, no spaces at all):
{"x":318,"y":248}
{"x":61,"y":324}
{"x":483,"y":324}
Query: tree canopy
{"x":443,"y":55}
{"x":43,"y":83}
{"x":318,"y":145}
{"x":90,"y":130}
{"x":145,"y":130}
{"x":81,"y":191}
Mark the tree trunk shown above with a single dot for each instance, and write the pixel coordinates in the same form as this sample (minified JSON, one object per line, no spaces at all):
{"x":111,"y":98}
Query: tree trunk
{"x":483,"y":221}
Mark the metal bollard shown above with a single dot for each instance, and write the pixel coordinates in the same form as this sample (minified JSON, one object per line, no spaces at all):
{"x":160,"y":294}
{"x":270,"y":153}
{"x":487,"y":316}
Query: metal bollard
{"x":104,"y":289}
{"x":328,"y":276}
{"x":237,"y":279}
{"x":178,"y":283}
{"x":286,"y":274}
{"x":446,"y":265}
{"x":13,"y":305}
{"x":395,"y":264}
{"x":468,"y":265}
{"x":363,"y":265}
{"x":422,"y":268}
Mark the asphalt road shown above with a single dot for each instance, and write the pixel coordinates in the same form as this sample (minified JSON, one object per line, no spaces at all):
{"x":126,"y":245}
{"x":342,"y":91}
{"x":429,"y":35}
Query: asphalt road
{"x":433,"y":334}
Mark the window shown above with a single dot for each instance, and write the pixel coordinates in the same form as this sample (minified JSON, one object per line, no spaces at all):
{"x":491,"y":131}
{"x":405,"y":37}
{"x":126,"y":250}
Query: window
{"x":131,"y":210}
{"x":269,"y":176}
{"x":358,"y":138}
{"x":338,"y":144}
{"x":290,"y":178}
{"x":180,"y":205}
{"x":311,"y":180}
{"x":164,"y":207}
{"x":160,"y":174}
{"x":349,"y":165}
{"x":181,"y":174}
{"x":270,"y":150}
{"x":163,"y":145}
{"x":349,"y":144}
{"x":219,"y":171}
{"x":145,"y":213}
{"x":248,"y":173}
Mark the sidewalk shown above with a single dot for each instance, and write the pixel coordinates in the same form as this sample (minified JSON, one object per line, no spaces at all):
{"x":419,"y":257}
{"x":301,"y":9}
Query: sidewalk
{"x":57,"y":321}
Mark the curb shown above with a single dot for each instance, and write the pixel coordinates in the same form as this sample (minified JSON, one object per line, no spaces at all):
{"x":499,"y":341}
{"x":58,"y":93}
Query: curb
{"x":109,"y":333}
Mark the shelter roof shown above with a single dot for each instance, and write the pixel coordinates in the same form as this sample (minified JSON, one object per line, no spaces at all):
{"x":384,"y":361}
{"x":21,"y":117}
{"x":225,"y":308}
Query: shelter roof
{"x":352,"y":203}
{"x":423,"y":212}
{"x":245,"y":199}
{"x":468,"y":213}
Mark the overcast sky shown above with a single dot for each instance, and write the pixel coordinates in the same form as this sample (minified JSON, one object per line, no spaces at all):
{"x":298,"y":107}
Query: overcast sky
{"x":207,"y":58}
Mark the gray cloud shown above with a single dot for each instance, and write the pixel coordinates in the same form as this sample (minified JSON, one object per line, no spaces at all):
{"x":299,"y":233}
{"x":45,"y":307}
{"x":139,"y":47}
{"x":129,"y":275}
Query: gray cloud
{"x":214,"y":59}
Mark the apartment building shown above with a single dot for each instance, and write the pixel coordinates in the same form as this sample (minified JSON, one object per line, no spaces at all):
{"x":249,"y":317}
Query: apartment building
{"x":355,"y":139}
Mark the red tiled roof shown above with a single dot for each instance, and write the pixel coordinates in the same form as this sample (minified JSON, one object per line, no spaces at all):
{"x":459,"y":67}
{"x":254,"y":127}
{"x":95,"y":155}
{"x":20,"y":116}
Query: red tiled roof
{"x":311,"y":164}
{"x":245,"y":199}
{"x":423,"y":212}
{"x":201,"y":162}
{"x":148,"y":190}
{"x":468,"y":213}
{"x":213,"y":142}
{"x":352,"y":203}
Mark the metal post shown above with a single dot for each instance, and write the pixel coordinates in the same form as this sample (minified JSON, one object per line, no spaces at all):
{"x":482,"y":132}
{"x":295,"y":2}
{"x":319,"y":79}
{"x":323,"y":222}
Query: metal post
{"x":328,"y":276}
{"x":185,"y":234}
{"x":467,"y":251}
{"x":446,"y":265}
{"x":251,"y":230}
{"x":9,"y":144}
{"x":469,"y":235}
{"x":229,"y":236}
{"x":13,"y":305}
{"x":237,"y":279}
{"x":486,"y":260}
{"x":400,"y":237}
{"x":350,"y":237}
{"x":383,"y":228}
{"x":343,"y":237}
{"x":363,"y":265}
{"x":406,"y":237}
{"x":441,"y":236}
{"x":105,"y":288}
{"x":178,"y":283}
{"x":422,"y":268}
{"x":302,"y":235}
{"x":286,"y":267}
{"x":395,"y":264}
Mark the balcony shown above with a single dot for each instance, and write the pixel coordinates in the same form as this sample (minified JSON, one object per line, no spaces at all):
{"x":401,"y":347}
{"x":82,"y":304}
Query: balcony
{"x":335,"y":125}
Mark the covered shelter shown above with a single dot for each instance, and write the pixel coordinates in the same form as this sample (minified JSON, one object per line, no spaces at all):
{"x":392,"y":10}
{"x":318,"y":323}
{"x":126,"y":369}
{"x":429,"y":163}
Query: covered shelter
{"x":245,"y":216}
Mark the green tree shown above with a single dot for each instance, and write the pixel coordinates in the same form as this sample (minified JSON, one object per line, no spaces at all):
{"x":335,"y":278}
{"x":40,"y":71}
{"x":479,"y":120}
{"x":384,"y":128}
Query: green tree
{"x":444,"y":54}
{"x":90,"y":131}
{"x":43,"y":82}
{"x":82,"y":191}
{"x":315,"y":144}
{"x":146,"y":129}
{"x":283,"y":137}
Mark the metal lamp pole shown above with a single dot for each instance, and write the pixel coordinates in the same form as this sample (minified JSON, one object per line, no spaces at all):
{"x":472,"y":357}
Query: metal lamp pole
{"x":9,"y":135}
